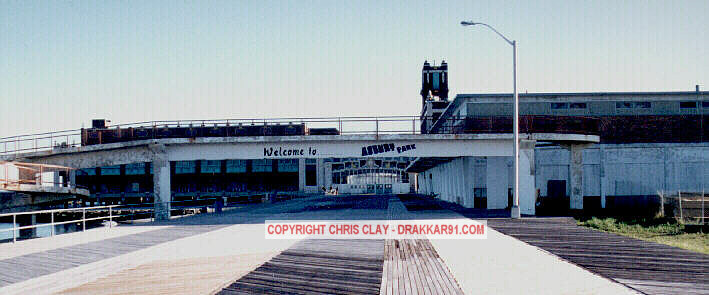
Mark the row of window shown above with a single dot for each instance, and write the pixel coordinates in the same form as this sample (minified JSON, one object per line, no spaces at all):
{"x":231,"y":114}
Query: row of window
{"x":206,"y":166}
{"x":567,"y":105}
{"x":625,"y":105}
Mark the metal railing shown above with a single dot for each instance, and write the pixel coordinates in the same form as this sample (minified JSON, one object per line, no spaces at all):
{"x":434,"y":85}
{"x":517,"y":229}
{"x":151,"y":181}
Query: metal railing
{"x":15,"y":229}
{"x":140,"y":211}
{"x":14,"y":145}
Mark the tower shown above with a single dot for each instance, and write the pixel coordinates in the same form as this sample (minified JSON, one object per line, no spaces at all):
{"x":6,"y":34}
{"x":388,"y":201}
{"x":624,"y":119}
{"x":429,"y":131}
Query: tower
{"x":434,"y":82}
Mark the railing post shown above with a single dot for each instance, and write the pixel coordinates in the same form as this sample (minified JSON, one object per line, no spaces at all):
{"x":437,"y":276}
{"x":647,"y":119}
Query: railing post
{"x":83,"y":219}
{"x":14,"y":228}
{"x":413,"y":126}
{"x":376,"y":120}
{"x":110,"y":217}
{"x":52,"y":224}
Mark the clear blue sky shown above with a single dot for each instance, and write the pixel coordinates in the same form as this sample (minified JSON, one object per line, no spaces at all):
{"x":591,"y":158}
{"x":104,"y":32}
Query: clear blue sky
{"x":63,"y":63}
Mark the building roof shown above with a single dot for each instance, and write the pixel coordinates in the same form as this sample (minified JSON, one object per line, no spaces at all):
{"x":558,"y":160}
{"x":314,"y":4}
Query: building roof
{"x":460,"y":98}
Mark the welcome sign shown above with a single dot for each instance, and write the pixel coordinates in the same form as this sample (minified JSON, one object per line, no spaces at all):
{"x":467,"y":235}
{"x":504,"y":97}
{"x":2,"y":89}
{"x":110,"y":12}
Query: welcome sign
{"x":339,"y":149}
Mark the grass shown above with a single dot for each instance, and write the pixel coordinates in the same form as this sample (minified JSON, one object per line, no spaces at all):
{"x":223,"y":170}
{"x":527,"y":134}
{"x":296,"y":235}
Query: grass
{"x":659,"y":230}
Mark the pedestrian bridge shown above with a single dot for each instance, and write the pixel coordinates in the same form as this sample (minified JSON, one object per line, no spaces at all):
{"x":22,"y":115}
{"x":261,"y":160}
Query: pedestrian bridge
{"x":381,"y":142}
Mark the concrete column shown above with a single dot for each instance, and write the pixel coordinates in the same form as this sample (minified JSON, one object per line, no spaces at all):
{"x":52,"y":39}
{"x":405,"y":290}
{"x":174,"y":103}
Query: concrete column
{"x":161,"y":183}
{"x":57,"y":180}
{"x":602,"y":174}
{"x":301,"y":175}
{"x":72,"y":178}
{"x":497,"y":182}
{"x":320,"y":174}
{"x":527,"y":189}
{"x":460,"y":173}
{"x":576,"y":175}
{"x":327,"y":175}
{"x":468,"y":182}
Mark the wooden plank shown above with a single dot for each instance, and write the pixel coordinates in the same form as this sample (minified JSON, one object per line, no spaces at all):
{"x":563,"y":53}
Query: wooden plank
{"x":621,"y":258}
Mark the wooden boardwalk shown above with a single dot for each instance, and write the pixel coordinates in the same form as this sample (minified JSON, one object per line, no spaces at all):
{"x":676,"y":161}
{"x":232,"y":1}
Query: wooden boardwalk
{"x":414,"y":267}
{"x":25,"y":267}
{"x":644,"y":266}
{"x":317,"y":267}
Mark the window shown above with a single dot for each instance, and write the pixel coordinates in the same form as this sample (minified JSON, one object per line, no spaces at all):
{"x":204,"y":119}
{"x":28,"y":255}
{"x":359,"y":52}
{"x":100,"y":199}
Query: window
{"x":211,"y":166}
{"x":643,"y":104}
{"x":688,"y":105}
{"x":559,"y":105}
{"x":262,"y":166}
{"x":623,"y":105}
{"x":291,"y":165}
{"x":184,"y":167}
{"x":705,"y":104}
{"x":86,"y":171}
{"x":235,"y":166}
{"x":135,"y":169}
{"x":577,"y":105}
{"x":111,"y":170}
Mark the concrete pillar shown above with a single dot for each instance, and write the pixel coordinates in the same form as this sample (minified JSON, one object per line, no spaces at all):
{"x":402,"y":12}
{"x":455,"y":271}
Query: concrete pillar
{"x":460,"y":173}
{"x":327,"y":175}
{"x":468,"y":182}
{"x":72,"y":178}
{"x":57,"y":179}
{"x":301,"y":175}
{"x":527,"y":189}
{"x":161,"y":183}
{"x":320,"y":168}
{"x":497,"y":182}
{"x":576,"y":175}
{"x":602,"y":174}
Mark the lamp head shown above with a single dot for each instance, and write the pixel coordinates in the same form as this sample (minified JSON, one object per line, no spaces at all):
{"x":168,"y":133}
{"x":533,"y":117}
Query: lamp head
{"x":468,"y":23}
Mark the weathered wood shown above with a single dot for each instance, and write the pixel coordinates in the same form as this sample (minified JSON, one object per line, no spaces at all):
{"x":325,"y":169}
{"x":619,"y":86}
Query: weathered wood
{"x":318,"y":267}
{"x":417,"y":269}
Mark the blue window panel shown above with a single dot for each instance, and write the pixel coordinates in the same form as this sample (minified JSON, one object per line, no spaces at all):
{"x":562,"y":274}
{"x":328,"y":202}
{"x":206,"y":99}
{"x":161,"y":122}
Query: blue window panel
{"x":185,"y":167}
{"x":135,"y":169}
{"x":265,"y":165}
{"x":111,"y":170}
{"x":211,"y":166}
{"x":235,"y":166}
{"x":86,"y":171}
{"x":288,"y":165}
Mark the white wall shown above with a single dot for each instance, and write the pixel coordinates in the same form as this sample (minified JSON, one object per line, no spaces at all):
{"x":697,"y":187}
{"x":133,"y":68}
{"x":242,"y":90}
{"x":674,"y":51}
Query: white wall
{"x":629,"y":169}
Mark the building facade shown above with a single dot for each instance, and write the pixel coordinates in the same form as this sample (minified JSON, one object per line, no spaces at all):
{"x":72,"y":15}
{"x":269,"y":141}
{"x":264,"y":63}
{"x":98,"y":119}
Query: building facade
{"x":650,"y":143}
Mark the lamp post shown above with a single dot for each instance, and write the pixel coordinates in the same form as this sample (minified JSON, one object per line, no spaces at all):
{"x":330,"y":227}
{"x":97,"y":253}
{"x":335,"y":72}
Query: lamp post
{"x":515,"y":128}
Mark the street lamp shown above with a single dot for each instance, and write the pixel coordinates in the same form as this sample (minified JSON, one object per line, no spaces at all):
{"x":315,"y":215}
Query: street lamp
{"x":515,"y":128}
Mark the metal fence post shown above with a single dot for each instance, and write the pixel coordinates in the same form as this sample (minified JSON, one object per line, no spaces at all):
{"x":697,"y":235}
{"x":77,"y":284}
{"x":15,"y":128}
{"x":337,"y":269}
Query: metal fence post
{"x":83,"y":219}
{"x":679,"y":196}
{"x":52,"y":231}
{"x":14,"y":228}
{"x":110,"y":217}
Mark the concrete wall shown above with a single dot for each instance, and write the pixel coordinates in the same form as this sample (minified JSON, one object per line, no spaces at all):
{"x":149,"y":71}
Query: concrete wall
{"x":629,"y":169}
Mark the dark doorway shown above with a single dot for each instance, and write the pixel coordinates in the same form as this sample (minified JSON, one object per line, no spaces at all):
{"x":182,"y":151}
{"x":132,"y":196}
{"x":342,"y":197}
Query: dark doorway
{"x":556,"y":188}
